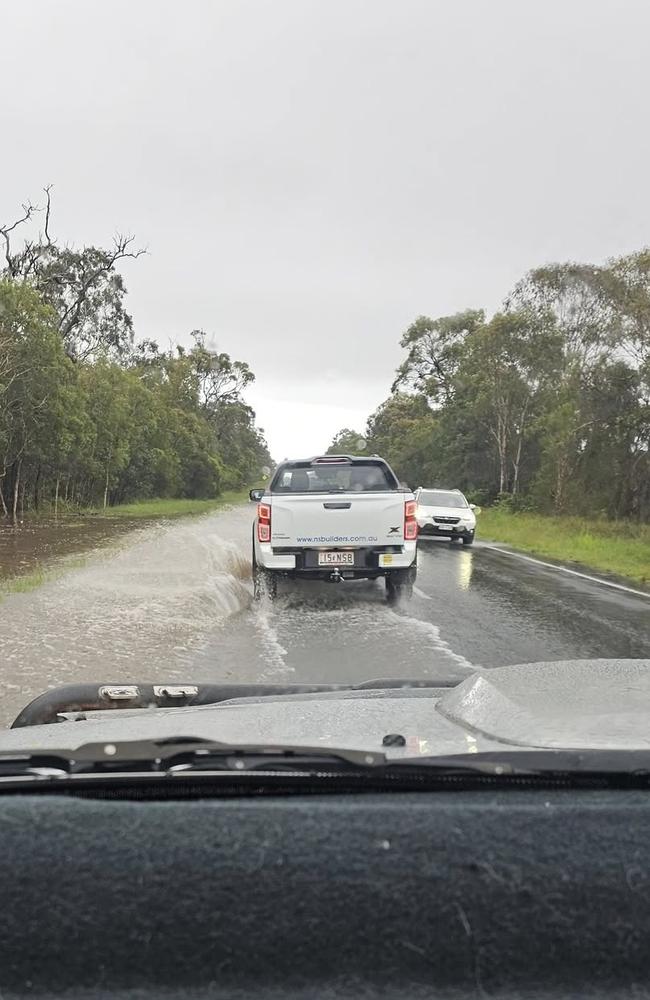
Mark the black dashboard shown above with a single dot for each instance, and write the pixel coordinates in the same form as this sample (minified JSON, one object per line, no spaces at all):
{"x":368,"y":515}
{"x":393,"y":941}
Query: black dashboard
{"x":512,"y":892}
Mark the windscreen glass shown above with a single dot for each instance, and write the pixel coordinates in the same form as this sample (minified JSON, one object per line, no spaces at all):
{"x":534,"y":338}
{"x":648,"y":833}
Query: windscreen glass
{"x":434,"y":498}
{"x":378,"y":246}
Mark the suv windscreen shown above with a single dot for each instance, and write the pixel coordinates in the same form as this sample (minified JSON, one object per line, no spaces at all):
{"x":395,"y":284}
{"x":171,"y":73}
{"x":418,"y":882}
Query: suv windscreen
{"x":357,"y":477}
{"x":431,"y":498}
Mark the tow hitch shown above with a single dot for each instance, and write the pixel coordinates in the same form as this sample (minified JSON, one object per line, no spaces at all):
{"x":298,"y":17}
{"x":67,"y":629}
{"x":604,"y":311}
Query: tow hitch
{"x":335,"y":576}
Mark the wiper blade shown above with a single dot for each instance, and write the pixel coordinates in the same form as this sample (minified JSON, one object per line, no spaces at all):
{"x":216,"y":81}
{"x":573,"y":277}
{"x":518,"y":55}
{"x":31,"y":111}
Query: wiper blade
{"x":183,"y":754}
{"x":180,"y":756}
{"x":180,"y":753}
{"x":498,"y":763}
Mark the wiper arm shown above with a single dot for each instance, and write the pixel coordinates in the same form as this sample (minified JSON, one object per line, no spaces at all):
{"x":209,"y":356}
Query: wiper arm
{"x":181,"y":753}
{"x":497,"y":764}
{"x":184,"y":754}
{"x":188,"y":755}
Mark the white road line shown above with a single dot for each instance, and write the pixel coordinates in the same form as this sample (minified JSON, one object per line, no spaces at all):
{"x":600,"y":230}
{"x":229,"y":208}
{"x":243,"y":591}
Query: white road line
{"x":571,"y":572}
{"x":436,"y":642}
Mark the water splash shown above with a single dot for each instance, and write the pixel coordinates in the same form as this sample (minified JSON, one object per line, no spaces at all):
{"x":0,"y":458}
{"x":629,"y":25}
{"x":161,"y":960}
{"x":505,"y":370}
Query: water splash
{"x":137,"y":612}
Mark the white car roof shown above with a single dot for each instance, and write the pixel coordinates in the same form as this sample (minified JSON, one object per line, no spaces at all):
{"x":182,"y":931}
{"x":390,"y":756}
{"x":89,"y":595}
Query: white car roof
{"x":438,"y":489}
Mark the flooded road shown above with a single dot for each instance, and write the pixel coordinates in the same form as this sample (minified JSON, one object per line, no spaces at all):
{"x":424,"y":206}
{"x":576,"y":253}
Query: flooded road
{"x":173,"y":602}
{"x":36,"y":543}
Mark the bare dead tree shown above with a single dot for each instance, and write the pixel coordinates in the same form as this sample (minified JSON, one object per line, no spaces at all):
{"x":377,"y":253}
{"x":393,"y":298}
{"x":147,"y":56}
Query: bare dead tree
{"x":48,"y":208}
{"x":6,"y":230}
{"x":83,"y":286}
{"x":24,"y":264}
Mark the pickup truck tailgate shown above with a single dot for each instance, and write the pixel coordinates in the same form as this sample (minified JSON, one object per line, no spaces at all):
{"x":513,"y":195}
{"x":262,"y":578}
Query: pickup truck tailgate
{"x":332,"y":519}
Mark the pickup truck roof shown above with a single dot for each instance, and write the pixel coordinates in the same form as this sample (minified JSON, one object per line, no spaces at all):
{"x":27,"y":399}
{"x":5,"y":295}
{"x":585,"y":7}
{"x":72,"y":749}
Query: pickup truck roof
{"x":316,"y":462}
{"x":438,"y":489}
{"x":334,"y":460}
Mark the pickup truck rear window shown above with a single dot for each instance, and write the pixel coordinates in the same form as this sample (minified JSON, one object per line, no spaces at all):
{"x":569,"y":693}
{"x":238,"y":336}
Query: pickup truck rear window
{"x":357,"y":477}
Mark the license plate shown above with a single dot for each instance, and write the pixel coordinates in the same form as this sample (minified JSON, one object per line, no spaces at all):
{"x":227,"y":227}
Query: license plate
{"x":336,"y":558}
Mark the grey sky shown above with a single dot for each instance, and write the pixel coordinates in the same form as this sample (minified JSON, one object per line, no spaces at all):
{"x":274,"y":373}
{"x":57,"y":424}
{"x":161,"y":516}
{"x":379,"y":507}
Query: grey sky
{"x":309,"y":176}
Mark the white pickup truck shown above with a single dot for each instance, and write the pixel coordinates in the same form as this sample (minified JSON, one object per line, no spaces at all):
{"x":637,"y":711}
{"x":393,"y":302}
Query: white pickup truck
{"x":336,"y":518}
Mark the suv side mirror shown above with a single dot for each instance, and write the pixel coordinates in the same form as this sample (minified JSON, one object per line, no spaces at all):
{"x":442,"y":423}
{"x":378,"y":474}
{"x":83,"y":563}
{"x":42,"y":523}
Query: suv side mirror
{"x":256,"y":495}
{"x":477,"y":510}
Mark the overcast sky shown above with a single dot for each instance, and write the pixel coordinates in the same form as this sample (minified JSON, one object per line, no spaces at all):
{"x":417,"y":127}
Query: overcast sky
{"x":310,"y":175}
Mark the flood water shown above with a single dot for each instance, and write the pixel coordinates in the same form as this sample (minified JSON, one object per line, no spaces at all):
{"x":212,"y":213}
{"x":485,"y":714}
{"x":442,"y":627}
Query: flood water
{"x":141,"y":602}
{"x":38,"y":543}
{"x":172,"y":602}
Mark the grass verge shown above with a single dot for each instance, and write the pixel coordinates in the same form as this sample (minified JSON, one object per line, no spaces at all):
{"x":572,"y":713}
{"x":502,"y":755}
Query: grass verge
{"x":618,"y":547}
{"x":24,"y":583}
{"x":169,"y":508}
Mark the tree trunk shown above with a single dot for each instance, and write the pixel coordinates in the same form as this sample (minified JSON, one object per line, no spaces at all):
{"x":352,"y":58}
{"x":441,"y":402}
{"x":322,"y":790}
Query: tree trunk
{"x":515,"y":469}
{"x":56,"y":497}
{"x":37,"y":482}
{"x":502,"y":472}
{"x":501,"y":441}
{"x":16,"y":490}
{"x":561,"y":478}
{"x":502,"y":448}
{"x":22,"y":500}
{"x":2,"y":502}
{"x":106,"y":489}
{"x":517,"y":462}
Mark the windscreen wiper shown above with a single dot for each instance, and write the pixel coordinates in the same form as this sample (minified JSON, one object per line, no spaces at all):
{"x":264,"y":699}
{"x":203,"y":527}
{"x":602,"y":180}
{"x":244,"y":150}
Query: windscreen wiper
{"x":172,"y":754}
{"x":188,"y":756}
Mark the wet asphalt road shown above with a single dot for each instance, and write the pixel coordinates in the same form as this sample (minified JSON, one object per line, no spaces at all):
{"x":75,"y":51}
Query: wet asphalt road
{"x":174,"y":603}
{"x":472,"y":607}
{"x":497,"y":608}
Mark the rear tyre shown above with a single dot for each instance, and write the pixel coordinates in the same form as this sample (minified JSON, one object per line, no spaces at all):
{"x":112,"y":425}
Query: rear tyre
{"x":270,"y":584}
{"x":258,"y":584}
{"x":258,"y":588}
{"x":264,"y":582}
{"x":453,"y":538}
{"x":398,"y":586}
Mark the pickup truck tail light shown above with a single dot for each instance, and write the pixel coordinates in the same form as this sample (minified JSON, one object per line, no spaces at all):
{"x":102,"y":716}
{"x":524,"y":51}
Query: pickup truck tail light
{"x":263,"y":522}
{"x":410,"y":522}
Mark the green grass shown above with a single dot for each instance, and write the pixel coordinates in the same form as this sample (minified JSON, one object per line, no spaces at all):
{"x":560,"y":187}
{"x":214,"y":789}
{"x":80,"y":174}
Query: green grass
{"x":25,"y":583}
{"x":618,"y":547}
{"x":170,"y":508}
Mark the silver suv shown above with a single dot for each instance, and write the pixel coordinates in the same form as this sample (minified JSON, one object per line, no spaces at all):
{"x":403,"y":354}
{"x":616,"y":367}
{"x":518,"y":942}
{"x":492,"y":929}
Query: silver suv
{"x":445,"y":513}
